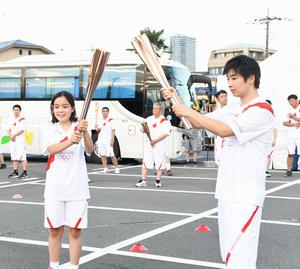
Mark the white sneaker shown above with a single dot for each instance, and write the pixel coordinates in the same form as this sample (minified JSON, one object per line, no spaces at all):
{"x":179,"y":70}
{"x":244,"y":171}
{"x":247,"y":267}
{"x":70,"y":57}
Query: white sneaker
{"x":105,"y":170}
{"x":158,"y":185}
{"x":117,"y":170}
{"x":141,"y":183}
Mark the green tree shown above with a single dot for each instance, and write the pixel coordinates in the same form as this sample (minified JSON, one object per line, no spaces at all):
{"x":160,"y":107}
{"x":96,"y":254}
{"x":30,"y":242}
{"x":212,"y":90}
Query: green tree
{"x":157,"y":40}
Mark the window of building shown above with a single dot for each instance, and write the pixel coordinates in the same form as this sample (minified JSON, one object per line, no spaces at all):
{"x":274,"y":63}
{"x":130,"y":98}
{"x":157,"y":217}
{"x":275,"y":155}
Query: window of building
{"x":20,"y":52}
{"x":29,"y":52}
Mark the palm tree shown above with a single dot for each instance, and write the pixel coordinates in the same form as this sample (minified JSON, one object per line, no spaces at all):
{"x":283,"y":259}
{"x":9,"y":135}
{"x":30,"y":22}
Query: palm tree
{"x":157,"y":40}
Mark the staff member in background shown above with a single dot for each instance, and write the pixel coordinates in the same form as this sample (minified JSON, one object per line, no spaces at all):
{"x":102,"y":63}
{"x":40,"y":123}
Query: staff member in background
{"x":16,"y":131}
{"x":155,"y":150}
{"x":222,"y":99}
{"x":106,"y":138}
{"x":293,"y":124}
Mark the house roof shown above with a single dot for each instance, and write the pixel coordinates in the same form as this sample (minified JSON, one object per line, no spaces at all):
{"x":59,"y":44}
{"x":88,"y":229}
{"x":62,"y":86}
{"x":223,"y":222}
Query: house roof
{"x":20,"y":43}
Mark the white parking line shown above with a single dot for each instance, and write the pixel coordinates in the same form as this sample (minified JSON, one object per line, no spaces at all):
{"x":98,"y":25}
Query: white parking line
{"x":152,"y":176}
{"x":127,"y":242}
{"x":283,"y":197}
{"x":5,"y":182}
{"x":169,"y":177}
{"x":109,"y":208}
{"x":151,"y":190}
{"x":284,"y":186}
{"x":287,"y":223}
{"x":20,"y":184}
{"x":168,"y":259}
{"x":112,"y":169}
{"x":118,"y":252}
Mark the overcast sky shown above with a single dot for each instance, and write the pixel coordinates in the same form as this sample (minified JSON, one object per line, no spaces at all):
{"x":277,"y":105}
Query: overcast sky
{"x":111,"y":24}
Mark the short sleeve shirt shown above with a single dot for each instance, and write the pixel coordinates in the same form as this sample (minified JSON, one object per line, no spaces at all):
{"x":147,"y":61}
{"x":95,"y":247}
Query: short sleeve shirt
{"x":158,"y":126}
{"x":294,"y":131}
{"x":241,"y":174}
{"x":66,"y":177}
{"x":106,"y":127}
{"x":17,"y":125}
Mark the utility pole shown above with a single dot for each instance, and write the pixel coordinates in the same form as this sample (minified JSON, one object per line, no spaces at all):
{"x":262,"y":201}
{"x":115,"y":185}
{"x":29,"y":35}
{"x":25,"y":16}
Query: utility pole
{"x":267,"y":20}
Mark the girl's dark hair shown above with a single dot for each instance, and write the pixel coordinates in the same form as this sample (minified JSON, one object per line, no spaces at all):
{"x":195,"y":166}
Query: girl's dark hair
{"x":244,"y":66}
{"x":70,"y":100}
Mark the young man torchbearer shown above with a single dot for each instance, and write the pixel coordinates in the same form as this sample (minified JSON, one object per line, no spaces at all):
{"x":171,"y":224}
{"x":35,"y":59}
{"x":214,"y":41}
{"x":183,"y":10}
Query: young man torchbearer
{"x":247,"y":131}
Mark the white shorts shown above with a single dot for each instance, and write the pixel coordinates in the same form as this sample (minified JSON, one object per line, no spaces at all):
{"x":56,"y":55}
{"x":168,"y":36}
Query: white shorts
{"x":293,"y":142}
{"x":17,"y":152}
{"x":231,"y":219}
{"x":154,"y":156}
{"x":69,"y":213}
{"x":106,"y":150}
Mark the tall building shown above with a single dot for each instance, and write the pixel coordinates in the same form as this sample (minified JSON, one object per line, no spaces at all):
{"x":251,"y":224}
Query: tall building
{"x":183,"y":50}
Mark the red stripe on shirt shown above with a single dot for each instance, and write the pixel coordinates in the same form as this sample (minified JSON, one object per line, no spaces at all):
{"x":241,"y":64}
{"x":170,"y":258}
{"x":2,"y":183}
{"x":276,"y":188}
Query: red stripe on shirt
{"x":260,"y":105}
{"x":163,"y":119}
{"x":51,"y":158}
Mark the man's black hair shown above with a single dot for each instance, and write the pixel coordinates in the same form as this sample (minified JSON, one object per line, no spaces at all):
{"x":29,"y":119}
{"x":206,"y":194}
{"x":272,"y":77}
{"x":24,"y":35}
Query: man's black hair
{"x":244,"y":66}
{"x":18,"y":106}
{"x":292,"y":96}
{"x":220,"y":92}
{"x":105,"y":107}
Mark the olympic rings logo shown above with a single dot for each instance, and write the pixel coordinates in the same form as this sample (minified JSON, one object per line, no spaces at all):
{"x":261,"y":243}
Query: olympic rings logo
{"x":64,"y":157}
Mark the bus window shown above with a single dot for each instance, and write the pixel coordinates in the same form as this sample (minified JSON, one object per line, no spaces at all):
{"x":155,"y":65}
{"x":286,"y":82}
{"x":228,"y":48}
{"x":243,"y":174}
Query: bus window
{"x":117,"y":82}
{"x":44,"y":82}
{"x":47,"y":87}
{"x":10,"y":88}
{"x":10,"y":83}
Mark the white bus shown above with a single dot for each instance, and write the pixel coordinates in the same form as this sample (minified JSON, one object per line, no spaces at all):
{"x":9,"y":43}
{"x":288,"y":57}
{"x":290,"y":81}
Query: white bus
{"x":126,"y":87}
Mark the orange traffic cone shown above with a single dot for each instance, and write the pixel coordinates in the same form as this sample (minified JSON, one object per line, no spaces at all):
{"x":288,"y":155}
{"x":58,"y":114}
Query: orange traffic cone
{"x":138,"y":248}
{"x":203,"y":229}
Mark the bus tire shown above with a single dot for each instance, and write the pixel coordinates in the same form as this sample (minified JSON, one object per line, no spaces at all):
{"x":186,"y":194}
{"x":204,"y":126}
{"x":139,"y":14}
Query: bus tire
{"x":94,"y":158}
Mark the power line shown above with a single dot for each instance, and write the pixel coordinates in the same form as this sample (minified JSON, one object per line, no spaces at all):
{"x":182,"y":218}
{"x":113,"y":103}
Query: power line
{"x":267,"y":20}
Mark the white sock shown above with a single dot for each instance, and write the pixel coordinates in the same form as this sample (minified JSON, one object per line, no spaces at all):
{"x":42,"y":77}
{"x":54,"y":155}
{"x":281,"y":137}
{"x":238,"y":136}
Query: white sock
{"x":72,"y":266}
{"x":54,"y":265}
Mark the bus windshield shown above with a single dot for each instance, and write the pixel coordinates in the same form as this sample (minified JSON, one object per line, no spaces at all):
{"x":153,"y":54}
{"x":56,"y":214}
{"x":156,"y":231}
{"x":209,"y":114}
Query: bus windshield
{"x":178,"y":78}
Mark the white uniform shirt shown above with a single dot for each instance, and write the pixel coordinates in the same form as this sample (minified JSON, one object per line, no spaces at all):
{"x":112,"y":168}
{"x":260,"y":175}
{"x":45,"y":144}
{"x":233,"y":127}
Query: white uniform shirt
{"x":241,"y":174}
{"x":17,"y":125}
{"x":294,"y":132}
{"x":106,"y":127}
{"x":66,"y":178}
{"x":158,"y":126}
